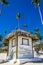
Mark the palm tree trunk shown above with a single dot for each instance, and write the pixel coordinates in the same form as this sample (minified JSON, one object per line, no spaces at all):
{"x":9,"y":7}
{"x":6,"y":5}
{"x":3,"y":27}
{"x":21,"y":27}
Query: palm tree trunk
{"x":40,"y":15}
{"x":18,"y":24}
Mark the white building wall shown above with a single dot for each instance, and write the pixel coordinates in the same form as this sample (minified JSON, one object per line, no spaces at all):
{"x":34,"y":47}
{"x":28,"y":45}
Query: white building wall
{"x":23,"y":50}
{"x":20,"y":39}
{"x":10,"y":47}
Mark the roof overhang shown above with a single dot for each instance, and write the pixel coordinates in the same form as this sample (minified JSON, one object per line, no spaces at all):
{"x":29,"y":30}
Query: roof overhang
{"x":19,"y":33}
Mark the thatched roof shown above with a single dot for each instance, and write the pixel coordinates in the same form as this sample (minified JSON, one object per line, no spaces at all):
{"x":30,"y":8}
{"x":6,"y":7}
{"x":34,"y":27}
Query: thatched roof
{"x":20,"y":33}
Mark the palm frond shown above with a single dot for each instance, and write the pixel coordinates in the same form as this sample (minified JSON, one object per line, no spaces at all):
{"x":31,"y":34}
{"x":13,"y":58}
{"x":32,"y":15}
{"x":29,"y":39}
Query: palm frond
{"x":18,"y":16}
{"x":36,"y":2}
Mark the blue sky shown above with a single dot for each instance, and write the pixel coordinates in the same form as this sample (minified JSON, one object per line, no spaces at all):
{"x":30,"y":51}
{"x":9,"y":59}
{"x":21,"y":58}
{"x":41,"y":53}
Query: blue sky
{"x":29,"y":15}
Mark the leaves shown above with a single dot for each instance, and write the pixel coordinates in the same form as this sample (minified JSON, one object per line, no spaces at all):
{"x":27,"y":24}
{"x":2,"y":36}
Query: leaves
{"x":5,"y":44}
{"x":4,"y":2}
{"x":25,"y":26}
{"x":36,"y":2}
{"x":36,"y":29}
{"x":5,"y":32}
{"x":37,"y":33}
{"x":18,"y":16}
{"x":1,"y":37}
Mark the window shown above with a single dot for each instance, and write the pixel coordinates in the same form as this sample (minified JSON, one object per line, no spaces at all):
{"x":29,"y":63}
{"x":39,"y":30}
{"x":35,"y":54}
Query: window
{"x":25,"y":41}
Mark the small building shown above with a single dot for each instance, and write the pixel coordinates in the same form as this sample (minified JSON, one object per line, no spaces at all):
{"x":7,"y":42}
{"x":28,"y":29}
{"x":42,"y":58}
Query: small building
{"x":20,"y":44}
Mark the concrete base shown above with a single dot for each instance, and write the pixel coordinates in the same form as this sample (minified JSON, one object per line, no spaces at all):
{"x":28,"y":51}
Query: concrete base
{"x":22,"y":61}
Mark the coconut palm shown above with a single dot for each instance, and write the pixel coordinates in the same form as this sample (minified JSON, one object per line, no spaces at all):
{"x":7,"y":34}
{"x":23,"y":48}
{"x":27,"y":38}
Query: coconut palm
{"x":5,"y":32}
{"x":3,"y":2}
{"x":18,"y":18}
{"x":37,"y":34}
{"x":25,"y":26}
{"x":1,"y":38}
{"x":37,"y":3}
{"x":36,"y":30}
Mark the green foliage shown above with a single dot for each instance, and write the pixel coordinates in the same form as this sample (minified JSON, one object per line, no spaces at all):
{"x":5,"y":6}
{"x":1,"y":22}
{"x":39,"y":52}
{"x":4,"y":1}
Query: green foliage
{"x":4,"y":2}
{"x":1,"y":38}
{"x":5,"y":44}
{"x":37,"y":34}
{"x":18,"y":16}
{"x":3,"y":50}
{"x":36,"y":2}
{"x":37,"y":29}
{"x":34,"y":41}
{"x":42,"y":47}
{"x":5,"y":32}
{"x":25,"y":26}
{"x":37,"y":48}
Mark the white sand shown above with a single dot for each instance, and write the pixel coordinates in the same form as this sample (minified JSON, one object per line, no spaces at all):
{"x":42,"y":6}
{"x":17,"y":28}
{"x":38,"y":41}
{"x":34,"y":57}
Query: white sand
{"x":3,"y":56}
{"x":9,"y":63}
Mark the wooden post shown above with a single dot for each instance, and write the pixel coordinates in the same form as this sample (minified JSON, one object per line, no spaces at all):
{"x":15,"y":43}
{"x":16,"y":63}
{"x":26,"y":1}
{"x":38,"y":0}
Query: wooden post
{"x":16,"y":47}
{"x":31,"y":46}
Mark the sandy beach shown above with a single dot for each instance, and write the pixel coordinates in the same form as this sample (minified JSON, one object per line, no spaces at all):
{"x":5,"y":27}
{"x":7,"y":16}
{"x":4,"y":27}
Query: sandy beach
{"x":9,"y":63}
{"x":3,"y":56}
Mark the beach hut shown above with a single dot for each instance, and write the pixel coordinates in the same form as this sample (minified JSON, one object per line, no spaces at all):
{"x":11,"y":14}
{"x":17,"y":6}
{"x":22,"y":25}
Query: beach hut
{"x":20,"y":44}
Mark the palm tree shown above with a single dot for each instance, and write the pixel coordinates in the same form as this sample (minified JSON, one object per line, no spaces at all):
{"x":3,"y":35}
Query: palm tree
{"x":25,"y":26}
{"x":1,"y":38}
{"x":5,"y":32}
{"x":3,"y":2}
{"x":37,"y":34}
{"x":18,"y":18}
{"x":37,"y":3}
{"x":36,"y":30}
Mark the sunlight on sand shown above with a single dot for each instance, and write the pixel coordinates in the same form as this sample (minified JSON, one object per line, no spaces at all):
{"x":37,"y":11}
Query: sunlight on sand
{"x":3,"y":56}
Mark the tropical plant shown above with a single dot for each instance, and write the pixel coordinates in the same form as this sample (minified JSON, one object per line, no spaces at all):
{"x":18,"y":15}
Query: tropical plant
{"x":18,"y":18}
{"x":3,"y":2}
{"x":37,"y":34}
{"x":37,"y":48}
{"x":1,"y":38}
{"x":5,"y":44}
{"x":5,"y":32}
{"x":37,"y":3}
{"x":25,"y":26}
{"x":37,"y":29}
